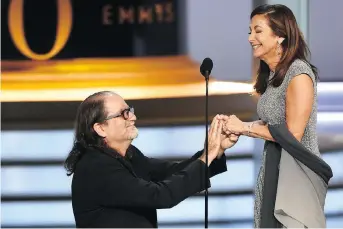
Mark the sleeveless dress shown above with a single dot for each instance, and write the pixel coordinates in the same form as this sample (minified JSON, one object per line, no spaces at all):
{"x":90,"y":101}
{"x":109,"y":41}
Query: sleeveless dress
{"x":271,"y":109}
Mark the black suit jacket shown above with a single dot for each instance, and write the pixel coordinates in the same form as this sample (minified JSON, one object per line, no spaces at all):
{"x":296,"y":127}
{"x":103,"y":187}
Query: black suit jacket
{"x":109,"y":190}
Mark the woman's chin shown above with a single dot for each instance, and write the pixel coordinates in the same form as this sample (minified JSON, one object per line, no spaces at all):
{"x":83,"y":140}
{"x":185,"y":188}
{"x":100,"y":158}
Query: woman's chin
{"x":257,"y":54}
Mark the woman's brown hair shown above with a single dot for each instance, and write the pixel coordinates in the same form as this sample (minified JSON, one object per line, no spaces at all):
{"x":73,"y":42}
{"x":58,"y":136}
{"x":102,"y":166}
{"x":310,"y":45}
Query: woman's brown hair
{"x":283,"y":23}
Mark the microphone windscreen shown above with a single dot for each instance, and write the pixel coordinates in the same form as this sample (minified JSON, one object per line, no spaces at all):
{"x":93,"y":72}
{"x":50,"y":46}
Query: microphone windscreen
{"x":207,"y":65}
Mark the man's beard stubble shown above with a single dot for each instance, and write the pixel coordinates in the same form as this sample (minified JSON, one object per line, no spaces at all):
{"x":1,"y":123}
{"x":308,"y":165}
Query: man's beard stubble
{"x":133,"y":133}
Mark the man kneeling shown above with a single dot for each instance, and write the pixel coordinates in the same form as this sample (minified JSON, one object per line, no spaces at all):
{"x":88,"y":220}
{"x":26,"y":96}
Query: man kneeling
{"x":114,"y":184}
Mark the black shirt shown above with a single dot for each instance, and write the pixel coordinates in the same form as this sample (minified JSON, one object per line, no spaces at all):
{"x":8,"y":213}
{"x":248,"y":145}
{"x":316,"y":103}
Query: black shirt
{"x":109,"y":190}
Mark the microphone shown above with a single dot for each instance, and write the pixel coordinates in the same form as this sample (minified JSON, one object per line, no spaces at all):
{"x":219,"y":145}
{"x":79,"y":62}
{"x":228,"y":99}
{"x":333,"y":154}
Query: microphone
{"x":205,"y":70}
{"x":206,"y":67}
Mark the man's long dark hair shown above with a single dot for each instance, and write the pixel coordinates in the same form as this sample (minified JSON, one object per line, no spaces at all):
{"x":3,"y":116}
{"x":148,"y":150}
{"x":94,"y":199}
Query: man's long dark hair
{"x":283,"y":23}
{"x":90,"y":111}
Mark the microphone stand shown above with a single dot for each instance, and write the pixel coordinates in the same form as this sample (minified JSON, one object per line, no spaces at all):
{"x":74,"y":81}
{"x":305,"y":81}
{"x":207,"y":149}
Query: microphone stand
{"x":206,"y":146}
{"x":205,"y":70}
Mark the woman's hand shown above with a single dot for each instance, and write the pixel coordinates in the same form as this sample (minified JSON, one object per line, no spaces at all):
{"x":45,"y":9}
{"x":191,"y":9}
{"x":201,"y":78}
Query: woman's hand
{"x":234,"y":125}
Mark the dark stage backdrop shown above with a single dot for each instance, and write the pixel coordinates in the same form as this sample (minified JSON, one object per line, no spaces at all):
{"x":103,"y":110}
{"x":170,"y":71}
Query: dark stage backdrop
{"x":64,"y":29}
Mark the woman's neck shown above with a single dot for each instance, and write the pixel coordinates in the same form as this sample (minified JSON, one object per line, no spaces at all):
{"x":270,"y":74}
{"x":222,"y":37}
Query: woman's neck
{"x":272,"y":62}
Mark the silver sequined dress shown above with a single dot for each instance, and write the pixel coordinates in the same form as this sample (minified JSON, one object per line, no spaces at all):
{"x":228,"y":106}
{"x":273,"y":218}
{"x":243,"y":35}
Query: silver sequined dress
{"x":271,"y":109}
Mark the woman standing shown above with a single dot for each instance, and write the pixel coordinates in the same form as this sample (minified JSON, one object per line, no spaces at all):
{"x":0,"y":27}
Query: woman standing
{"x":287,"y":86}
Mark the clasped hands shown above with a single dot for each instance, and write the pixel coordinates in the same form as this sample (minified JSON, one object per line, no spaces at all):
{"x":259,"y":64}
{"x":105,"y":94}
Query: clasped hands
{"x":224,"y":132}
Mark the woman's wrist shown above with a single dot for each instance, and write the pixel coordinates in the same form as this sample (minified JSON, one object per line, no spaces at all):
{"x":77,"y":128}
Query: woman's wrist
{"x":247,"y":128}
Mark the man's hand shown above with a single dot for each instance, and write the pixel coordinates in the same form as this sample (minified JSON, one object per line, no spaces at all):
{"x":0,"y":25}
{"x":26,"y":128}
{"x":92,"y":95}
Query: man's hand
{"x":227,"y":141}
{"x":214,"y":140}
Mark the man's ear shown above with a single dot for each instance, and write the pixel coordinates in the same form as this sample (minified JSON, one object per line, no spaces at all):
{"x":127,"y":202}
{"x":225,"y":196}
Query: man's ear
{"x":280,"y":40}
{"x":98,"y":128}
